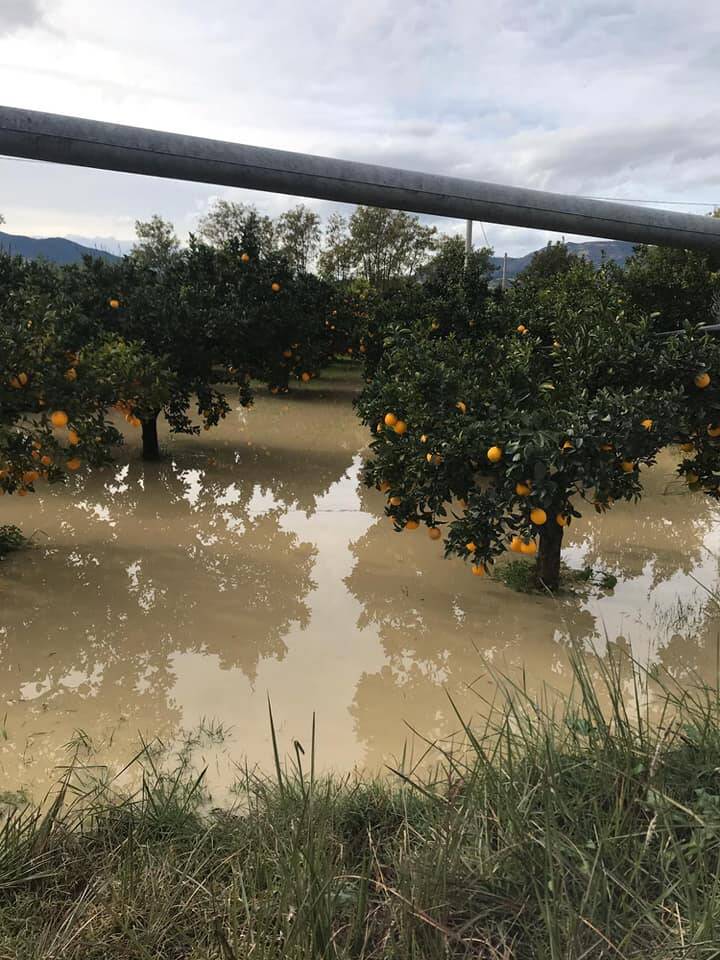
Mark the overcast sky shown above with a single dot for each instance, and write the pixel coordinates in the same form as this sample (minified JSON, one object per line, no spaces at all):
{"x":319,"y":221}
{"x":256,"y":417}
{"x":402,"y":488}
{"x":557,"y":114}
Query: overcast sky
{"x":610,"y":98}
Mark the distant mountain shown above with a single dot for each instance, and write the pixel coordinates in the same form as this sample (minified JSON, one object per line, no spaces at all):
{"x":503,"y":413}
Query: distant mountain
{"x":55,"y":249}
{"x":593,"y":250}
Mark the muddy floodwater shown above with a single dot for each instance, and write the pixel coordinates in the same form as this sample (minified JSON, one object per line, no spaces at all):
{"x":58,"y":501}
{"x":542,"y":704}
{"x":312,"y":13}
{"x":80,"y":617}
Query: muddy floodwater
{"x":250,"y":563}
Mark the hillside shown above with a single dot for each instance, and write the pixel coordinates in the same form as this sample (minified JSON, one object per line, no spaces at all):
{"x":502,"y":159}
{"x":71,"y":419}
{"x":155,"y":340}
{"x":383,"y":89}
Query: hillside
{"x":56,"y":249}
{"x":594,"y":250}
{"x":61,"y":250}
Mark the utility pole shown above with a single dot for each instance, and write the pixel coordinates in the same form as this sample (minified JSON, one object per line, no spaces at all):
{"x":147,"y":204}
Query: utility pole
{"x":468,"y":241}
{"x":504,"y":272}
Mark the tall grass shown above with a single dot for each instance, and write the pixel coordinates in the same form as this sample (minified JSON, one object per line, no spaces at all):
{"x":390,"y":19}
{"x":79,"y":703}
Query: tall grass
{"x":588,"y":828}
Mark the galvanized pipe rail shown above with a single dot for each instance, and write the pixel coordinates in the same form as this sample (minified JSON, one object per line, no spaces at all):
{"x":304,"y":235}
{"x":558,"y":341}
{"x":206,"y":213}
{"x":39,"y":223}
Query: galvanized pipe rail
{"x":108,"y":146}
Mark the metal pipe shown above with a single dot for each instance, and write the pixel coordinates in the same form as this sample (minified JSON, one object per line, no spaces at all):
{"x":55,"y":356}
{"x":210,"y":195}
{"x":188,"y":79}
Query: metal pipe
{"x":108,"y":146}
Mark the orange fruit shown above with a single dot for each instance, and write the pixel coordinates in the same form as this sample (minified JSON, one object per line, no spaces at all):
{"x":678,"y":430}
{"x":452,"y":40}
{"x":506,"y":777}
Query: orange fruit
{"x":287,"y":354}
{"x":647,"y":423}
{"x":494,"y":454}
{"x":59,"y":418}
{"x":384,"y":486}
{"x":461,"y":406}
{"x":606,"y":447}
{"x":713,"y":431}
{"x":134,"y":421}
{"x":15,"y":383}
{"x":275,"y":287}
{"x":516,"y":545}
{"x":687,"y":447}
{"x":390,"y":419}
{"x":305,"y":377}
{"x":556,"y":344}
{"x":471,"y":547}
{"x":71,"y":374}
{"x":478,"y":570}
{"x":73,"y":438}
{"x":30,"y":476}
{"x":401,"y":427}
{"x":522,"y":329}
{"x":114,"y":304}
{"x":434,"y":533}
{"x":429,"y":457}
{"x":23,"y":378}
{"x":74,"y":463}
{"x":423,"y":438}
{"x":395,"y":501}
{"x":22,"y":492}
{"x":522,"y":489}
{"x":538,"y":516}
{"x":46,"y":460}
{"x":702,"y":380}
{"x":412,"y":525}
{"x":245,"y":257}
{"x":560,"y":520}
{"x":529,"y":547}
{"x":627,"y":466}
{"x":567,"y":446}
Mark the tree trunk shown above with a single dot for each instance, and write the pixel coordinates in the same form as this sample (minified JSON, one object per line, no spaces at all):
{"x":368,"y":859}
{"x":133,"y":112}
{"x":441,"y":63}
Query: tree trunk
{"x":547,"y":570}
{"x":151,"y":447}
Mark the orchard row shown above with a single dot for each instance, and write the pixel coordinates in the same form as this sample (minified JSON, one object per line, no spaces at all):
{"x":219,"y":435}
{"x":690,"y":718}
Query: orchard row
{"x":497,"y":416}
{"x":172,"y":332}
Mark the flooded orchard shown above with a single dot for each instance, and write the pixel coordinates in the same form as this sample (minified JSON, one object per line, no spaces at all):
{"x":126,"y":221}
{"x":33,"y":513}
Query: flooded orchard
{"x":251,"y":563}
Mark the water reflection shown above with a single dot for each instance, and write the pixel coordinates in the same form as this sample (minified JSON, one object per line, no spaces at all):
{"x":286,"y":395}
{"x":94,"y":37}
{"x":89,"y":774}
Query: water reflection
{"x":250,"y":563}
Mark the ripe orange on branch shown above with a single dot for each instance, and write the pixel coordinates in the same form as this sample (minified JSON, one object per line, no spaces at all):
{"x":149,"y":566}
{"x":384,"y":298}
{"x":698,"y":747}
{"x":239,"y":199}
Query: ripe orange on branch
{"x":59,"y":418}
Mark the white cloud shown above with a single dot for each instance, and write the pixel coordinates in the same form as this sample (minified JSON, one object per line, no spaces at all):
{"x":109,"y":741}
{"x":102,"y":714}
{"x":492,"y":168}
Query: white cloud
{"x":606,"y":99}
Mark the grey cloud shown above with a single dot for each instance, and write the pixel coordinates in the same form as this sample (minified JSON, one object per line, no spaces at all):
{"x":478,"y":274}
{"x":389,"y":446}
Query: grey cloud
{"x":17,"y":14}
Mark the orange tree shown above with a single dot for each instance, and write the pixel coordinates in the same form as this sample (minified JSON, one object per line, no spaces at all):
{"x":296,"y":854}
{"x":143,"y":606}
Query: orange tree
{"x":496,"y":441}
{"x":449,"y":295}
{"x":676,"y":286}
{"x":212,"y":317}
{"x":54,"y":392}
{"x":179,"y":309}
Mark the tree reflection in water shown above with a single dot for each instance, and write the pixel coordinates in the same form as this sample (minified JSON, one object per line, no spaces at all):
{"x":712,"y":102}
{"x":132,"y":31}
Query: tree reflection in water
{"x":137,"y":568}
